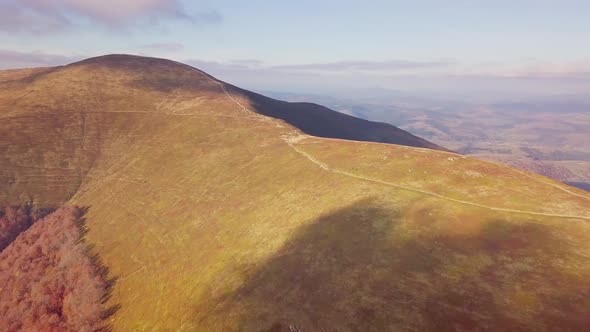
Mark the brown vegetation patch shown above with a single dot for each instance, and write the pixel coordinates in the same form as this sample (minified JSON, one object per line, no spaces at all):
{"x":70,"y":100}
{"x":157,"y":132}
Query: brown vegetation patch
{"x":49,"y":278}
{"x":15,"y":220}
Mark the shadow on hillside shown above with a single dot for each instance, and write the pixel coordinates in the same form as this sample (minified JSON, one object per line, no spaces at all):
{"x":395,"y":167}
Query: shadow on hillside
{"x":101,"y":271}
{"x":333,"y":274}
{"x":317,"y":120}
{"x":16,"y":219}
{"x":351,"y":271}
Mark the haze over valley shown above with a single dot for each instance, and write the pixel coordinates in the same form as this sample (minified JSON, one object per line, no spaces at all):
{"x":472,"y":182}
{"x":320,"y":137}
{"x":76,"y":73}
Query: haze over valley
{"x":175,"y":165}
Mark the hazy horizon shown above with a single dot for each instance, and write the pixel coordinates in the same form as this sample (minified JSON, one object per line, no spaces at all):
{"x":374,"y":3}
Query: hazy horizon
{"x":495,"y":50}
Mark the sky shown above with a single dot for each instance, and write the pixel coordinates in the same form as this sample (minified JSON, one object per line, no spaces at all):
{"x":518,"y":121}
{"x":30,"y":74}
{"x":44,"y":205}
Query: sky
{"x":463,"y":48}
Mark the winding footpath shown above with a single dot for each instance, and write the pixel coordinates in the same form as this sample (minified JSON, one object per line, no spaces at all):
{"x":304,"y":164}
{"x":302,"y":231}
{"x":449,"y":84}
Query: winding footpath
{"x":429,"y":193}
{"x":294,"y":139}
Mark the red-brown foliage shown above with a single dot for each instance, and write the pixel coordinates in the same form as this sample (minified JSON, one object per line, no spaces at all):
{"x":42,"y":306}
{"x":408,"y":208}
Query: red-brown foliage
{"x":15,"y":220}
{"x":48,"y":279}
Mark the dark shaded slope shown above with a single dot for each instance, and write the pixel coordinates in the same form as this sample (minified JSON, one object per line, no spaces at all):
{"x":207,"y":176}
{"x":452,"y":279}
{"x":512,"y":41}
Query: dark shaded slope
{"x":165,"y":75}
{"x":317,"y":120}
{"x":15,"y":220}
{"x":581,"y":185}
{"x":352,"y":270}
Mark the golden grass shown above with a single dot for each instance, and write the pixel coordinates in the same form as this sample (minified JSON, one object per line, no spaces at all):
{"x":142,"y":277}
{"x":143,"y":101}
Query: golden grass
{"x":212,"y":221}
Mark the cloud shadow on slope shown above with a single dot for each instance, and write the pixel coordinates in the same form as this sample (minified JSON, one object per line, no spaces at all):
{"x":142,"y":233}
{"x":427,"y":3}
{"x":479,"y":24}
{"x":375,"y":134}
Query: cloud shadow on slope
{"x":354,"y":270}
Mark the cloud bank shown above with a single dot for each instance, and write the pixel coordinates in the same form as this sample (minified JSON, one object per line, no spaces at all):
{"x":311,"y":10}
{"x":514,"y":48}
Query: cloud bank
{"x":532,"y":69}
{"x":46,"y":16}
{"x":444,"y":77}
{"x":17,"y":59}
{"x":165,"y":47}
{"x":390,"y":65}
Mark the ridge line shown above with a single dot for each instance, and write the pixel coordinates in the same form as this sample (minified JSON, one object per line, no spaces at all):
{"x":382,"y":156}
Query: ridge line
{"x":524,"y":173}
{"x":291,"y":140}
{"x":425,"y":192}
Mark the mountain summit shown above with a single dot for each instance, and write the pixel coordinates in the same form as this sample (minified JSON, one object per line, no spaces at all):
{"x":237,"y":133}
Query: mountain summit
{"x":219,"y":209}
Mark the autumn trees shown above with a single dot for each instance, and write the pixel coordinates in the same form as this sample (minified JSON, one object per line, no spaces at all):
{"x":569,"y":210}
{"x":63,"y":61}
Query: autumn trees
{"x":15,"y":220}
{"x":49,"y":279}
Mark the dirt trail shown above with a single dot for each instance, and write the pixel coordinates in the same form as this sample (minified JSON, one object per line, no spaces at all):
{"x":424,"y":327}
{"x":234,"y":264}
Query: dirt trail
{"x":293,"y":139}
{"x":536,"y":178}
{"x":326,"y":167}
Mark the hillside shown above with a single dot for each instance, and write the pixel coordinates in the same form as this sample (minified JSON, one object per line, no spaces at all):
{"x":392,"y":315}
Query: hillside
{"x":542,"y":136}
{"x":216,"y":211}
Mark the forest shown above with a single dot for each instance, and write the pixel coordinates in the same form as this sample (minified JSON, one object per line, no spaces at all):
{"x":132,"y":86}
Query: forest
{"x":50,"y":279}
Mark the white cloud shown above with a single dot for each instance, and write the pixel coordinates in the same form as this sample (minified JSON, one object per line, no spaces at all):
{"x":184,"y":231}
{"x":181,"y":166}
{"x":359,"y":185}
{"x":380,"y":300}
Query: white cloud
{"x":166,"y":47}
{"x":44,"y":16}
{"x":363,"y":65}
{"x":17,"y":59}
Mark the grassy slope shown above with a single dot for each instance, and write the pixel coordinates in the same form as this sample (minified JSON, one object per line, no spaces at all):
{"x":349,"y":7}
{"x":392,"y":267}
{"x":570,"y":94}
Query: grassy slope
{"x":213,"y":221}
